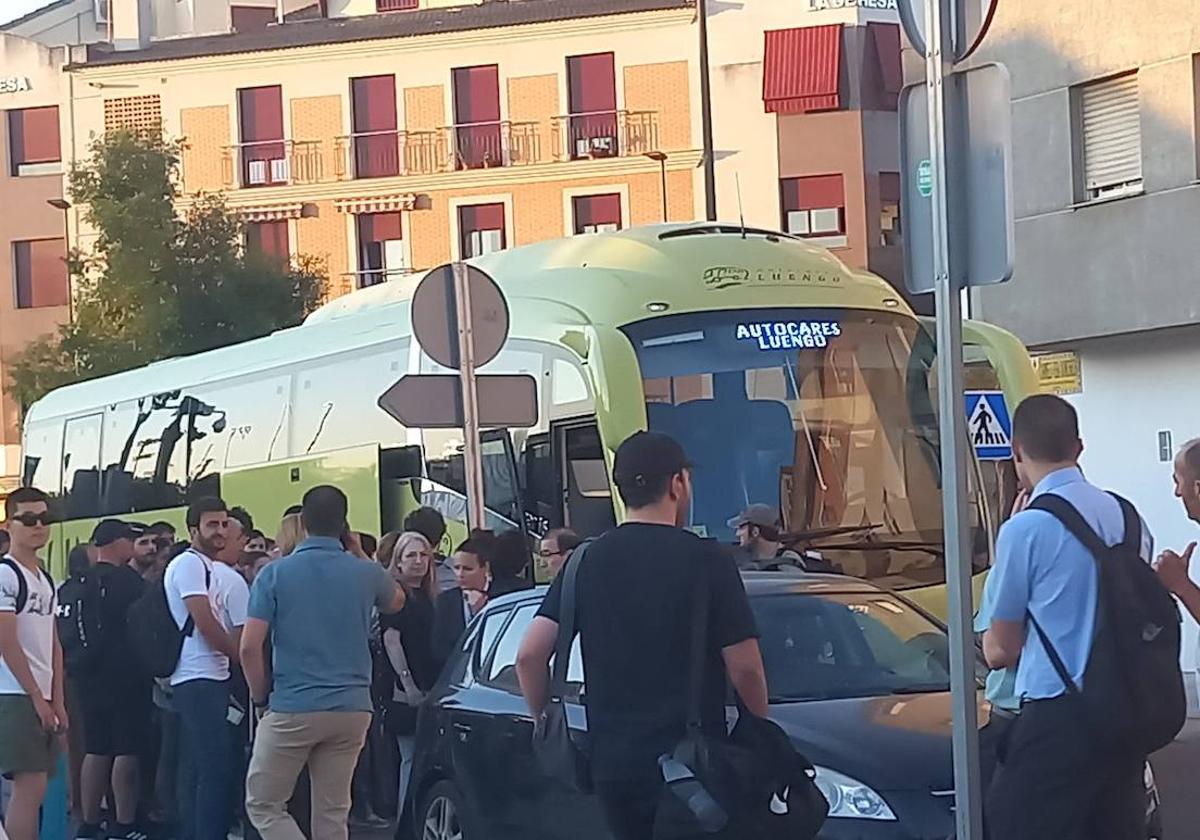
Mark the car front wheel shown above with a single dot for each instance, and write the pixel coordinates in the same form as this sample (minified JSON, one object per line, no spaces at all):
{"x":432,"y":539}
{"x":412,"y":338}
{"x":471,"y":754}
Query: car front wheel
{"x":442,"y":815}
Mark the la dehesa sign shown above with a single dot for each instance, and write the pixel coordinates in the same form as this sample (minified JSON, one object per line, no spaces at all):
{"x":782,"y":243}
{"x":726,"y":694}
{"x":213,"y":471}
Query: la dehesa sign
{"x":874,"y":5}
{"x":14,"y":84}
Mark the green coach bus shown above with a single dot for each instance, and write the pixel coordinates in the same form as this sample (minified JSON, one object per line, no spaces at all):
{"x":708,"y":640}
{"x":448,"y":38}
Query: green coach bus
{"x":791,"y":379}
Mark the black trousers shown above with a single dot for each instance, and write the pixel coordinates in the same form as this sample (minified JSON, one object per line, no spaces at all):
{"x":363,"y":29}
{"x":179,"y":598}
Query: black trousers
{"x":629,"y":807}
{"x":1054,"y":782}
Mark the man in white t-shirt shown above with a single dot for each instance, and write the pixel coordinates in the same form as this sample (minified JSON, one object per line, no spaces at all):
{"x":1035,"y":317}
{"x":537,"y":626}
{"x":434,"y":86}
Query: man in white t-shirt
{"x":32,"y":710}
{"x":200,"y":683}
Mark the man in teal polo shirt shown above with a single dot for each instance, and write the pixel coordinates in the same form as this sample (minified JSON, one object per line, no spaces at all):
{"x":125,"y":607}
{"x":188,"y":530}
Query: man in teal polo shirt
{"x":314,"y":607}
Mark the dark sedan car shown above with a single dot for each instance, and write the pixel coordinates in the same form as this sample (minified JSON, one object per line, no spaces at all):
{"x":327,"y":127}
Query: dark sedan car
{"x":857,"y":676}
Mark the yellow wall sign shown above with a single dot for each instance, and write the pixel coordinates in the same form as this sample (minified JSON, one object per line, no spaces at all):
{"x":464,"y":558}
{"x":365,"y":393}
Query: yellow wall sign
{"x":1059,"y":373}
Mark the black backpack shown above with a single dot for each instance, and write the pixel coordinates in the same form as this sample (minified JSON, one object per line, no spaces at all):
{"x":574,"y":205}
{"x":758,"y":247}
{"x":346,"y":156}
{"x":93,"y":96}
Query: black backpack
{"x":81,"y":621}
{"x":152,"y":632}
{"x":22,"y":584}
{"x":1133,"y":685}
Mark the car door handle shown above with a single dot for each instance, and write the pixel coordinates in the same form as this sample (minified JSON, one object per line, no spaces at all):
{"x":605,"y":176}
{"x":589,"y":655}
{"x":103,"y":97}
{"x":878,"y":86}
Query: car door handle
{"x":464,"y":728}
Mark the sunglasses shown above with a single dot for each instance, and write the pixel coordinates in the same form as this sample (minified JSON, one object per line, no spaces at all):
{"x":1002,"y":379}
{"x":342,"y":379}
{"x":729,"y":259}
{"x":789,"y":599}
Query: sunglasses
{"x":29,"y":520}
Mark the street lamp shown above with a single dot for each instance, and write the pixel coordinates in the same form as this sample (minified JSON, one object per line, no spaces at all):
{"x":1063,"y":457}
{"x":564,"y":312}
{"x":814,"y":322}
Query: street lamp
{"x":706,"y":117}
{"x":64,"y":205}
{"x":661,"y":158}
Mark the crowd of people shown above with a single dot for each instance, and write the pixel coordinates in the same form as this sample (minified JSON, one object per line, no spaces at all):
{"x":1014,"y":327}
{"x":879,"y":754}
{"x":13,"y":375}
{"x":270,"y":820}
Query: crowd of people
{"x":299,"y":663}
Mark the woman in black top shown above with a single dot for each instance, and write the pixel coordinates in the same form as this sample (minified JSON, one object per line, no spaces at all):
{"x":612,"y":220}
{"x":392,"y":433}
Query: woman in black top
{"x":408,"y":641}
{"x":455,"y":607}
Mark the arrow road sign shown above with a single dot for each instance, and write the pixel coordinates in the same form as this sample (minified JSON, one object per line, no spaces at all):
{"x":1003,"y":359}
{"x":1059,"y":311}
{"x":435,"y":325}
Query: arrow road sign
{"x":434,"y":401}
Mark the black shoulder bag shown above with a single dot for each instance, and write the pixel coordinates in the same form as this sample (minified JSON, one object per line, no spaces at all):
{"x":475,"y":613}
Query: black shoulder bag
{"x":558,"y":753}
{"x":765,"y":787}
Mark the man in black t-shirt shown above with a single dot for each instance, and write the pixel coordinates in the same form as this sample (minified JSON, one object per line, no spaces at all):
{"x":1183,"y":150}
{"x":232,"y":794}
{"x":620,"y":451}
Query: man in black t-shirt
{"x":114,"y":693}
{"x":635,"y":597}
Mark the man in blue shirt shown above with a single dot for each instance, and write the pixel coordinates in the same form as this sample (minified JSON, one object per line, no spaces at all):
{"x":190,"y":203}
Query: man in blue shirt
{"x":314,"y":607}
{"x":1054,"y":782}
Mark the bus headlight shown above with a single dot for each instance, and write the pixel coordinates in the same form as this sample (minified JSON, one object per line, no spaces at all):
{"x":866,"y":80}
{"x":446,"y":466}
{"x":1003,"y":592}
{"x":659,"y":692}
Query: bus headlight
{"x":851,"y":798}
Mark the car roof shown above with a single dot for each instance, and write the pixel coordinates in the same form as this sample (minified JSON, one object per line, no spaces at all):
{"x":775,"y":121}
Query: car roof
{"x":758,"y":584}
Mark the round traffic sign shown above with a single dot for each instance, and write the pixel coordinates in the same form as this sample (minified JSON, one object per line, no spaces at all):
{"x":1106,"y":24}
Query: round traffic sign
{"x":969,"y":23}
{"x":435,"y":315}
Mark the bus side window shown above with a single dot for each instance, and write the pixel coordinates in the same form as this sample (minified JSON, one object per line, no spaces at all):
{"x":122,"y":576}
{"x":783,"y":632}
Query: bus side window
{"x":42,"y":467}
{"x":81,"y":466}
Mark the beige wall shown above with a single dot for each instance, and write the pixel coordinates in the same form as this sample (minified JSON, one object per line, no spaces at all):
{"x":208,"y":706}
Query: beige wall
{"x":205,"y":132}
{"x":35,"y":220}
{"x":536,"y":99}
{"x":829,"y":144}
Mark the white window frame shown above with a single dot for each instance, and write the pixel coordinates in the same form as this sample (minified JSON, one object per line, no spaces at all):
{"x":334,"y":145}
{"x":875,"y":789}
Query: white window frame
{"x":571,"y":193}
{"x":825,"y":237}
{"x":467,"y":201}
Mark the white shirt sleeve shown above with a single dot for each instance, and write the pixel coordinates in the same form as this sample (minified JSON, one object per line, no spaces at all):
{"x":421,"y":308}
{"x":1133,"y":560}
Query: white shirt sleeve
{"x":237,"y":600}
{"x":189,"y":576}
{"x":8,"y":590}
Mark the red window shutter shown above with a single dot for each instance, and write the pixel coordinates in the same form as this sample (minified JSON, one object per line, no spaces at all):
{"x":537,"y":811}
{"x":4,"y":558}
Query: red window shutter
{"x":269,"y":239}
{"x":482,"y":217}
{"x":889,"y":187}
{"x":41,"y":268}
{"x":593,"y":83}
{"x":886,"y":37}
{"x":476,"y":94}
{"x":379,"y":227}
{"x":33,"y":136}
{"x":374,"y":103}
{"x":260,"y":112}
{"x":821,"y":191}
{"x":250,"y":18}
{"x":596,"y":210}
{"x":802,"y":69}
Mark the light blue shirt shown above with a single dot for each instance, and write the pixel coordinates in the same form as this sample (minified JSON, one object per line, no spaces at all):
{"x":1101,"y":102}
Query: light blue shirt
{"x":318,"y":601}
{"x":1043,"y":571}
{"x":1001,"y":686}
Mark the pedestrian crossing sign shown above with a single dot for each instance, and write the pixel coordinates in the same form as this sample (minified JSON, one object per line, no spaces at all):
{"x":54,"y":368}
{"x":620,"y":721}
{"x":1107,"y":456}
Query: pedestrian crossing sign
{"x":988,"y":425}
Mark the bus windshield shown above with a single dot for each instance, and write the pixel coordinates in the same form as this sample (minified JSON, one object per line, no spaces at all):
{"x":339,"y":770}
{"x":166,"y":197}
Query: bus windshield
{"x":828,"y":415}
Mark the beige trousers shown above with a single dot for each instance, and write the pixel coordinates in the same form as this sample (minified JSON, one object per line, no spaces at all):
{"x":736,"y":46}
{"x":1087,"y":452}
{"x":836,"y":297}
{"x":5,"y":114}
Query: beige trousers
{"x":329,"y":743}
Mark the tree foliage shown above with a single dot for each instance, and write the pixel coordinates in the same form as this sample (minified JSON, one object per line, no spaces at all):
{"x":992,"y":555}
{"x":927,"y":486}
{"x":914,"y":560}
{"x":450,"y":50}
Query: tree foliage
{"x":153,"y":283}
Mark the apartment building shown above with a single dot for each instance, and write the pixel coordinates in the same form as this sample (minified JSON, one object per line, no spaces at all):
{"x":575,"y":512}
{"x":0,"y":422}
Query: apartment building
{"x":34,"y":288}
{"x":806,"y":132}
{"x":1106,"y":98}
{"x":385,"y":143}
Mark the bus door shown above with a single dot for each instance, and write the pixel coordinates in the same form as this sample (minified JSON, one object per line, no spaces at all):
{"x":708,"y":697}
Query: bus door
{"x":583,"y":477}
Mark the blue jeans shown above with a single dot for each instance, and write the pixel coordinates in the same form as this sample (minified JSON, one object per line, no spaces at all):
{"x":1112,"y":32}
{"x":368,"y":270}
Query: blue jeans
{"x":205,"y":760}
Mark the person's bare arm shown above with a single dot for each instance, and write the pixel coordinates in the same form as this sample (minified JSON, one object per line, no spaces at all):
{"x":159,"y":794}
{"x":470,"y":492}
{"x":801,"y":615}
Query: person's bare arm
{"x":399,"y":599}
{"x":1172,"y":569}
{"x":1002,"y":644}
{"x":253,"y":645}
{"x":211,"y":630}
{"x":14,"y":658}
{"x":743,"y":663}
{"x":533,"y":662}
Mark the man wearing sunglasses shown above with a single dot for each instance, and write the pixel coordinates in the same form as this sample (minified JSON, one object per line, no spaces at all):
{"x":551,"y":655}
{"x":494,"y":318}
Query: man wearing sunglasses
{"x":32,"y":709}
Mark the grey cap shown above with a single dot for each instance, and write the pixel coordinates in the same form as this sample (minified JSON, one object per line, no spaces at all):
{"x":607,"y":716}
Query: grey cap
{"x":764,"y":516}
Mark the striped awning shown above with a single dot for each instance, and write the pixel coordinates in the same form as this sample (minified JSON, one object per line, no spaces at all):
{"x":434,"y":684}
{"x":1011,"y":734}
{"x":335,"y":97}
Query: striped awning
{"x":376,"y":204}
{"x":802,"y":69}
{"x":271,"y":212}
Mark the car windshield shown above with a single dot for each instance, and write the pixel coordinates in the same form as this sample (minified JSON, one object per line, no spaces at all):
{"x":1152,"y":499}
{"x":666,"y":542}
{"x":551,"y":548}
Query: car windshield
{"x":836,"y":645}
{"x":827,"y":415}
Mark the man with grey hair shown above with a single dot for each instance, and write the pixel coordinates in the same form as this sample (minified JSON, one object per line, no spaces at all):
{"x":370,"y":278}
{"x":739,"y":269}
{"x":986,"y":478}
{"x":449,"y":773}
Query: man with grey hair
{"x":1172,"y":566}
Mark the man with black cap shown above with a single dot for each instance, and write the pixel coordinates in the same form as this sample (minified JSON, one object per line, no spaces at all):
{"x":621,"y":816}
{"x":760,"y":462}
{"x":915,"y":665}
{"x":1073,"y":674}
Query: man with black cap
{"x":114,"y":693}
{"x":636,"y":593}
{"x":759,"y":539}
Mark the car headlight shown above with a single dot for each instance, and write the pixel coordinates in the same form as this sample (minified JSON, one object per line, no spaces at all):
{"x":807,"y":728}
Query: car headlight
{"x":851,"y":798}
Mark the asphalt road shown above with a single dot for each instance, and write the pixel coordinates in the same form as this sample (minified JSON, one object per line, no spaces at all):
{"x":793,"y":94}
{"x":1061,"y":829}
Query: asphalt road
{"x":1177,"y":770}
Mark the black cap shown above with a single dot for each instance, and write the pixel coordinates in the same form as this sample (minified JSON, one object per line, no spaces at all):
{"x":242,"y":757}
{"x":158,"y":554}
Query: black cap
{"x":111,"y":530}
{"x":645,"y":456}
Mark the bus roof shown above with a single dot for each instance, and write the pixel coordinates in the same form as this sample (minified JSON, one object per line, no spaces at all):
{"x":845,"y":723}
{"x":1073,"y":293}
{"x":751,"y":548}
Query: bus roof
{"x":596,"y":279}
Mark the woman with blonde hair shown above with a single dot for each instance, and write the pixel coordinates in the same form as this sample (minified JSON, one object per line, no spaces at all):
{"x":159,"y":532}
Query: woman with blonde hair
{"x":291,"y":534}
{"x":408,"y":640}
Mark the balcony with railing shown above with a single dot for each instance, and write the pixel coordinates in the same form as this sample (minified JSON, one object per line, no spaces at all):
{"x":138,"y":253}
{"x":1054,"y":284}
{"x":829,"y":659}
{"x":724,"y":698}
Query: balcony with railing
{"x":272,"y":163}
{"x":389,"y":154}
{"x":490,"y":144}
{"x":605,"y":134}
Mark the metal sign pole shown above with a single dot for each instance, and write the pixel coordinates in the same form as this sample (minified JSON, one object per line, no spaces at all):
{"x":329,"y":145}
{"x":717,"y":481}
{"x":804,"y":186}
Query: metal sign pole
{"x":968,"y":811}
{"x":472,"y":463}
